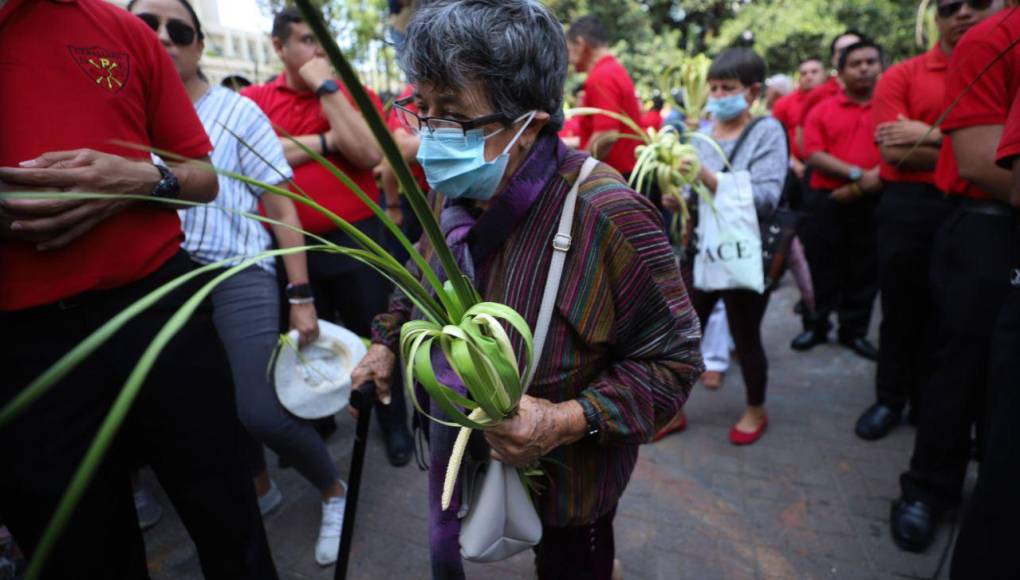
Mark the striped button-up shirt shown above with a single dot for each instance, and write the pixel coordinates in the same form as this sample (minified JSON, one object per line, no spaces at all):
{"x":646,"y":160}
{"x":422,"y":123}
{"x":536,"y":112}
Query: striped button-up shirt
{"x":210,"y":233}
{"x":624,"y":339}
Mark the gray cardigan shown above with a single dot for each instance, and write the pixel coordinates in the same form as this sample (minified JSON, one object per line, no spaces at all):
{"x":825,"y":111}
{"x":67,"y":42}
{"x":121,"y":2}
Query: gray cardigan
{"x":764,"y":155}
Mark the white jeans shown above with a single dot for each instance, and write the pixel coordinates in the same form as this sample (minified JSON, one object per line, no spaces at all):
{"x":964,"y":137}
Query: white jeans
{"x":717,"y":343}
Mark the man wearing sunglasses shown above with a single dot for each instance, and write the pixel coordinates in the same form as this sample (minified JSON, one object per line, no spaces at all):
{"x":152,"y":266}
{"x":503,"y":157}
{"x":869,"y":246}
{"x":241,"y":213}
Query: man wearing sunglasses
{"x":908,"y":103}
{"x":94,"y":91}
{"x":968,"y":269}
{"x":305,"y":101}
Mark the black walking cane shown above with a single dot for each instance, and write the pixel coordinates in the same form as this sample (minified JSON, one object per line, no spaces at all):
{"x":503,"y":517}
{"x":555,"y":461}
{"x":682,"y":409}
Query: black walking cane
{"x":362,"y":399}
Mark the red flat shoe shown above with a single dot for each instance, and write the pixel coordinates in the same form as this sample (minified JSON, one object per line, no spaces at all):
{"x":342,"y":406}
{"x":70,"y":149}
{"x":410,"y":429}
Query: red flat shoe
{"x":738,"y":437}
{"x":678,"y":424}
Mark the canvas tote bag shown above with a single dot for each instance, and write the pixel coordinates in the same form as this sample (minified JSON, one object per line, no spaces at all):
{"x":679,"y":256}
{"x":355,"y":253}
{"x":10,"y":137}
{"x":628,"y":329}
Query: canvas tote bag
{"x":729,"y":240}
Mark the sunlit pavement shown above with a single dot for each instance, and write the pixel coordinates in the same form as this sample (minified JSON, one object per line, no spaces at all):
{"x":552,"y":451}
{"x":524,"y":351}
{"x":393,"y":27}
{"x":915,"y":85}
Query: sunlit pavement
{"x":809,"y":500}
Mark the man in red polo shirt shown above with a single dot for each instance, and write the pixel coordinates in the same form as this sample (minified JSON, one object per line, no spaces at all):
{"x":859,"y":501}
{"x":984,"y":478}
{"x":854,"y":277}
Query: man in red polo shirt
{"x":88,"y":78}
{"x":832,"y":86}
{"x":908,"y":101}
{"x":838,"y":234}
{"x":306,"y":102}
{"x":968,"y":273}
{"x":984,"y":548}
{"x":608,"y":87}
{"x":788,"y":110}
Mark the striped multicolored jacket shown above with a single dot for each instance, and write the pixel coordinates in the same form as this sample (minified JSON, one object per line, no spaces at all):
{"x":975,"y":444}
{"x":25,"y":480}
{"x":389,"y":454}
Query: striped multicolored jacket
{"x":624,"y":340}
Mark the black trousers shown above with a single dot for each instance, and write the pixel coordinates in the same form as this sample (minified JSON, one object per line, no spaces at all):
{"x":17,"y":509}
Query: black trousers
{"x":744,"y":312}
{"x":984,"y":548}
{"x":183,"y":423}
{"x":577,"y":552}
{"x":351,"y":293}
{"x":907,"y":219}
{"x":969,"y":282}
{"x":839,"y":241}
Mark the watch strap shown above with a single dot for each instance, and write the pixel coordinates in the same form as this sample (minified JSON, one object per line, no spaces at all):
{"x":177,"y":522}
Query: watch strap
{"x":328,"y":87}
{"x":168,"y":186}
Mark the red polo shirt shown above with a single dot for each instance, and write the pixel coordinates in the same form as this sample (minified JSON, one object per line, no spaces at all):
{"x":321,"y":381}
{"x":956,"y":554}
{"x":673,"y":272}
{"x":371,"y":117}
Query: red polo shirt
{"x":1009,"y":145}
{"x":844,"y":129}
{"x":914,"y":88}
{"x":300,"y":113}
{"x":81,"y":74}
{"x":822,"y":92}
{"x":609,"y":87}
{"x":989,"y":98}
{"x":787,"y":111}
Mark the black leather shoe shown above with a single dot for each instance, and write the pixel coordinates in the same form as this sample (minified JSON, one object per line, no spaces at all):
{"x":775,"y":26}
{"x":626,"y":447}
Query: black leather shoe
{"x":877,"y":422}
{"x":399,"y":446}
{"x":912,"y":524}
{"x":808,"y":340}
{"x":862,"y":347}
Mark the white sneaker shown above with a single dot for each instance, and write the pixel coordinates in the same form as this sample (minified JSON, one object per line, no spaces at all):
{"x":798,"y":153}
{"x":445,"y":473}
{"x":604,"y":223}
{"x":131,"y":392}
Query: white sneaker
{"x":271,"y":499}
{"x":329,"y":532}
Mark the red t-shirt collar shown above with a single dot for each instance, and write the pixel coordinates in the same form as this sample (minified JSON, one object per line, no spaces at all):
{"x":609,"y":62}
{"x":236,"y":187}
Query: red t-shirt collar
{"x":936,"y":58}
{"x":846,"y":101}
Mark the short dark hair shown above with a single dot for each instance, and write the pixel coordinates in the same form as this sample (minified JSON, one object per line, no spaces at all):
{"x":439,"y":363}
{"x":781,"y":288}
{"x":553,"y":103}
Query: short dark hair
{"x":283,"y":21}
{"x":845,"y":53}
{"x":847,"y":32}
{"x":191,"y":12}
{"x":657,"y":102}
{"x":513,"y":50}
{"x":589,"y":28}
{"x":742,"y":64}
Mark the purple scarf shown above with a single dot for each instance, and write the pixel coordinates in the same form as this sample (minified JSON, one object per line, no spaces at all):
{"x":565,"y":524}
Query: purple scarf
{"x":473,"y":239}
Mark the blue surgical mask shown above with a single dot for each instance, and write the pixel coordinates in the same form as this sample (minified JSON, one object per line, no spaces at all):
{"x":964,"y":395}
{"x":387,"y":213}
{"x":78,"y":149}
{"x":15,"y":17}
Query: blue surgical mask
{"x":455,"y":165}
{"x":727,"y":108}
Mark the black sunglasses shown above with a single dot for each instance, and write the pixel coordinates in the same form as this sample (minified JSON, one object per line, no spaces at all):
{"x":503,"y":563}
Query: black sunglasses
{"x":180,"y":32}
{"x":947,"y":10}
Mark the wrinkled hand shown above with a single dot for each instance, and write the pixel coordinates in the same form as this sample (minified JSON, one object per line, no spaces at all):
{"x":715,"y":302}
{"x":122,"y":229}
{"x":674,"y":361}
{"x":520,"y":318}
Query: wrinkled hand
{"x":905,"y":132}
{"x":538,"y":427}
{"x":377,"y":367}
{"x":305,"y":320}
{"x":55,"y":223}
{"x":316,"y":71}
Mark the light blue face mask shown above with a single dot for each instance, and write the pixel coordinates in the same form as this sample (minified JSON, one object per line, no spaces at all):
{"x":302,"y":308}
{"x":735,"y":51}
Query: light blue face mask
{"x":455,"y":164}
{"x":727,"y":108}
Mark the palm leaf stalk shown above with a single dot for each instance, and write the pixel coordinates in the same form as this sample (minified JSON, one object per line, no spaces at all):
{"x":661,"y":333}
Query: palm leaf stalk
{"x":660,"y":158}
{"x":694,"y":82}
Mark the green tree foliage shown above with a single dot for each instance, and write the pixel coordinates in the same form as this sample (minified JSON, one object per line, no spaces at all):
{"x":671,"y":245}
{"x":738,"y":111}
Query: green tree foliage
{"x":650,"y":35}
{"x":789,"y":31}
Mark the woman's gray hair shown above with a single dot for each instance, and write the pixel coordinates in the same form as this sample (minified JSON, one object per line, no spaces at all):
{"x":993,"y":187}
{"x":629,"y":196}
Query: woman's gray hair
{"x":514,"y":50}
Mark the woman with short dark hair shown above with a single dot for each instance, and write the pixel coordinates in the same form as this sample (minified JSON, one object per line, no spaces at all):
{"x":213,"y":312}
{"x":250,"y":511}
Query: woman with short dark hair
{"x":622,"y":348}
{"x":735,"y":80}
{"x":246,"y":307}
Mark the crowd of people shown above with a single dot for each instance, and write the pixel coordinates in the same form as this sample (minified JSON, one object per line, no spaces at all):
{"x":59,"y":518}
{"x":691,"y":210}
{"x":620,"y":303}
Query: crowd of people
{"x":905,"y":181}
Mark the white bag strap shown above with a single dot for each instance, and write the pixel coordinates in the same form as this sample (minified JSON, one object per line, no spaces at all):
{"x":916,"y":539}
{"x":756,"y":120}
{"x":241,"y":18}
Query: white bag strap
{"x":561,"y":245}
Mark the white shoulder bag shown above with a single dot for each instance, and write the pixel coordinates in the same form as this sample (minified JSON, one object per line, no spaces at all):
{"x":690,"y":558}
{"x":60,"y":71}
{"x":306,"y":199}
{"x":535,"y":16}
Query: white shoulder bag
{"x":501,"y":519}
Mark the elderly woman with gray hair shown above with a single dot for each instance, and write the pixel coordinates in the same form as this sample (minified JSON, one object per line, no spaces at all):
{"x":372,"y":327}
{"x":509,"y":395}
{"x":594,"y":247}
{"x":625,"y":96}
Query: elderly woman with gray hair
{"x":622,"y":350}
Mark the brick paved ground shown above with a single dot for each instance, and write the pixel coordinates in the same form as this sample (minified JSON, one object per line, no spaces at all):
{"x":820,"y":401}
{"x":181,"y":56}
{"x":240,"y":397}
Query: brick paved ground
{"x":808,"y":501}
